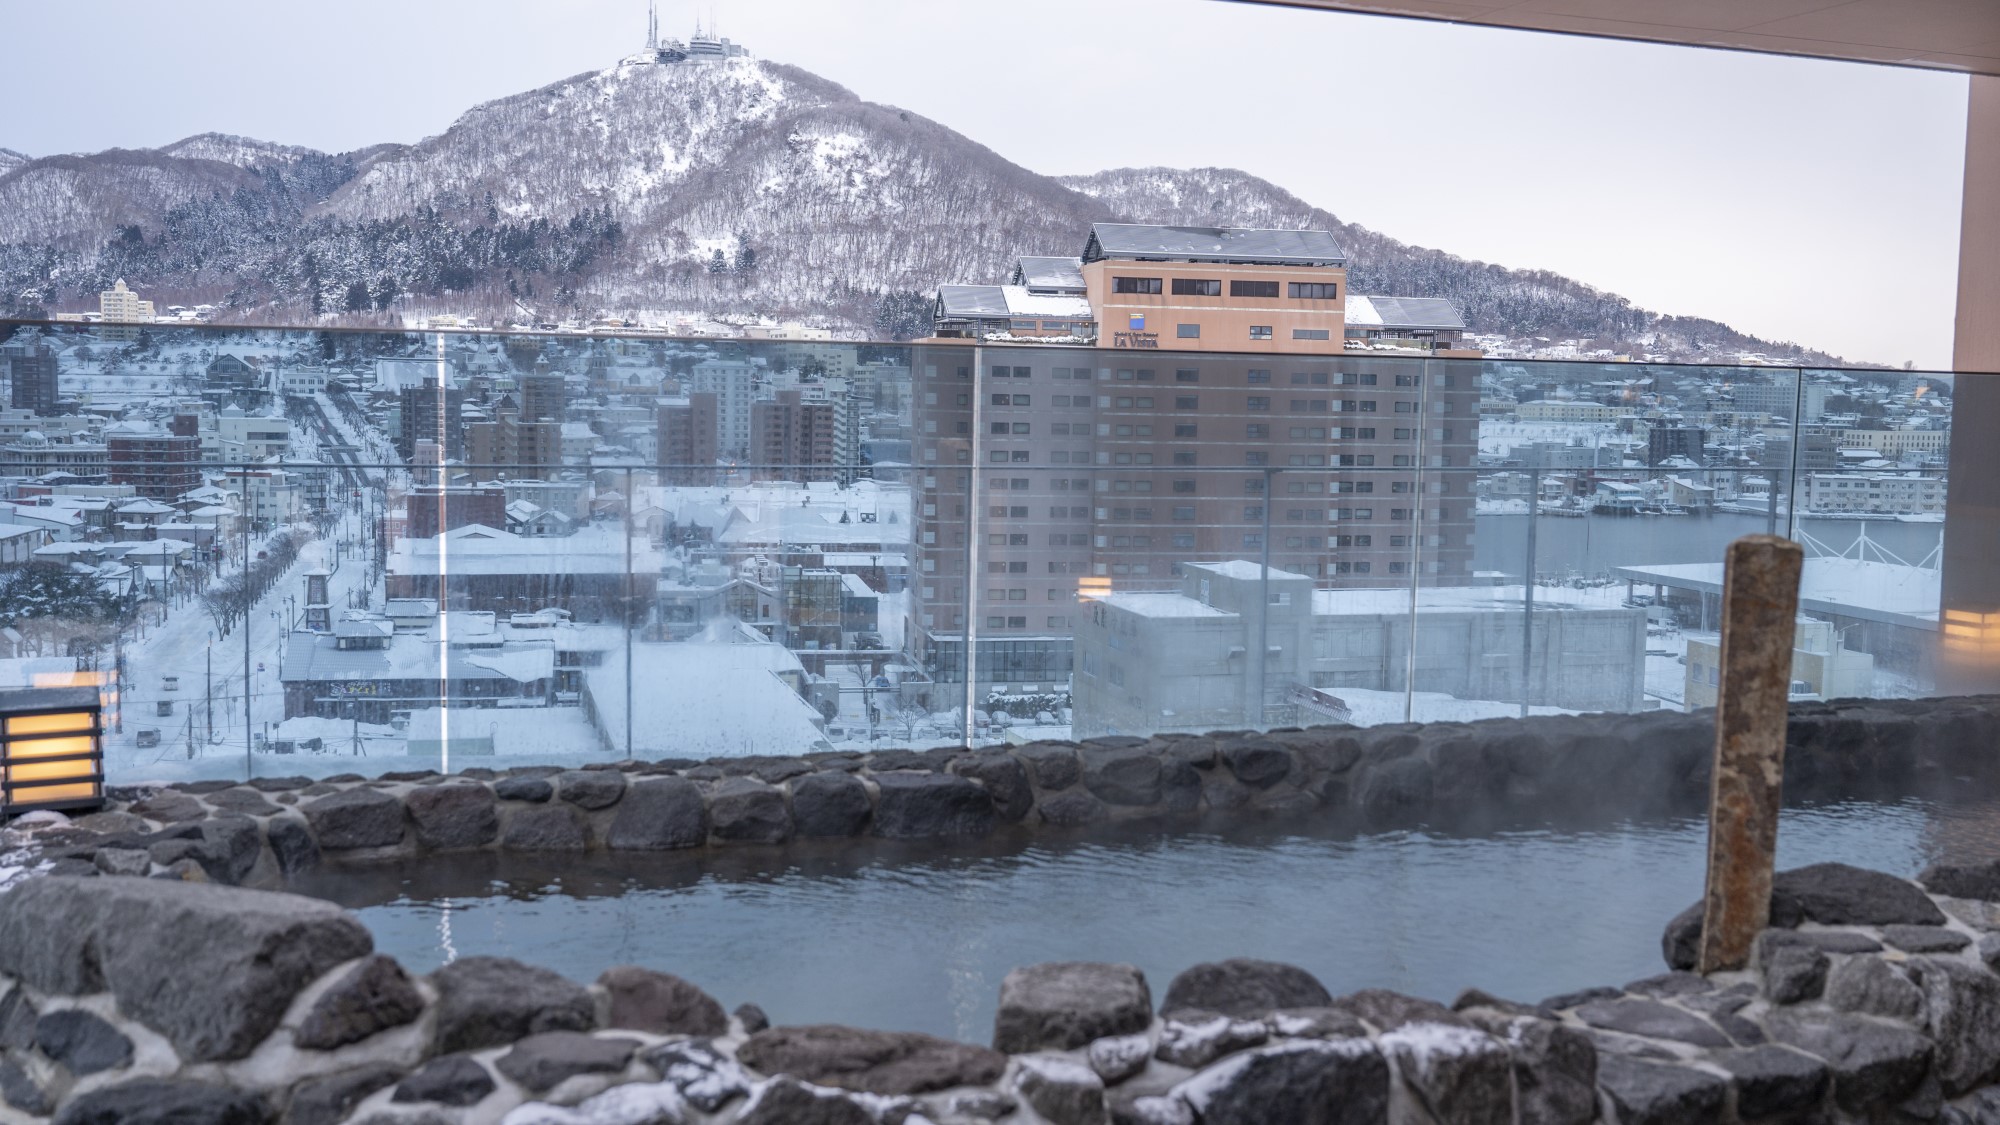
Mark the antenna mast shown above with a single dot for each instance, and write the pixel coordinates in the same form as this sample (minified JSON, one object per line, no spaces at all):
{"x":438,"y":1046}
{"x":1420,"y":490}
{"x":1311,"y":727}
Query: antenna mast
{"x":652,"y":25}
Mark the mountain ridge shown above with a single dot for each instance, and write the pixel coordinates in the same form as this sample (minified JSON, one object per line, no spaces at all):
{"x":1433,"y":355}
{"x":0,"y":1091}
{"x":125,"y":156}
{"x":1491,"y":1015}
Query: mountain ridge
{"x":720,"y":188}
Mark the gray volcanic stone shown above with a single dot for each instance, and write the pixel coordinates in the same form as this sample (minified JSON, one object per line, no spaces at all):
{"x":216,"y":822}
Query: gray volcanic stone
{"x":1317,"y":1082}
{"x":81,"y":1041}
{"x":292,"y":844}
{"x":1194,"y":1039}
{"x":1462,"y":1076}
{"x":373,"y":996}
{"x":540,"y":1061}
{"x":706,"y":1077}
{"x":278,"y":784}
{"x":17,"y":1021}
{"x":644,"y":1000}
{"x":748,"y":810}
{"x":875,"y":1062}
{"x":1061,"y":1089}
{"x":242,"y":800}
{"x":1004,"y":777}
{"x":1317,"y":1023}
{"x":1873,"y":1062}
{"x":1244,"y":988}
{"x":355,"y":818}
{"x":328,"y":1100}
{"x":531,"y":789}
{"x":1925,"y":939}
{"x":1980,"y":880}
{"x":1394,"y":786}
{"x":1836,"y":894}
{"x":1123,"y":777}
{"x":1838,"y":941}
{"x":456,"y":1080}
{"x":917,"y":806}
{"x":1989,"y":951}
{"x":1651,"y":1019}
{"x":154,"y":1101}
{"x":1390,"y":1010}
{"x":1793,"y":970}
{"x":545,"y":828}
{"x":144,"y":940}
{"x":229,"y":848}
{"x":1066,"y":1004}
{"x":659,"y":814}
{"x":590,"y":789}
{"x":1653,"y":1093}
{"x":122,"y":861}
{"x":1962,"y":1014}
{"x":488,"y":1001}
{"x":752,"y":1018}
{"x":829,"y":803}
{"x":1872,"y":986}
{"x":1055,"y":767}
{"x":460,"y":815}
{"x":19,"y":1089}
{"x":1070,"y":810}
{"x":1555,"y":1068}
{"x":1118,"y":1057}
{"x":1257,"y":762}
{"x":783,"y":1101}
{"x":1671,"y":984}
{"x":169,"y":807}
{"x":1771,"y":1080}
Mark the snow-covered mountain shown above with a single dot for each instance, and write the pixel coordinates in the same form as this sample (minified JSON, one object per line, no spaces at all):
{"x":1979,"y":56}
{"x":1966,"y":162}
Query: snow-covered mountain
{"x":10,"y":160}
{"x":722,"y":186}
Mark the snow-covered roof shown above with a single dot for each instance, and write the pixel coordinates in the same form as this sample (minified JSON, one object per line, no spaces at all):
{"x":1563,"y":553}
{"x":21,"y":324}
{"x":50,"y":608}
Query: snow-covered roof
{"x":1147,"y":604}
{"x":1424,"y":313}
{"x":700,"y":699}
{"x":1242,"y":568}
{"x":1020,"y":302}
{"x":1225,"y":244}
{"x":972,"y":302}
{"x":1035,"y":272}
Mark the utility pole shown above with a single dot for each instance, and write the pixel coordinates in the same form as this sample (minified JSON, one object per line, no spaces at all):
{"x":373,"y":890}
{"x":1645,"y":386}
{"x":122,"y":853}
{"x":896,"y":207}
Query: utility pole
{"x":1528,"y":587}
{"x":208,"y":687}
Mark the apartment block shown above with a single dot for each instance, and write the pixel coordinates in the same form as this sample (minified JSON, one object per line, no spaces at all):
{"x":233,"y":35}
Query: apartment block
{"x":158,"y":464}
{"x":1899,"y":494}
{"x":32,"y":379}
{"x":1046,"y":474}
{"x":793,"y":436}
{"x":687,"y":439}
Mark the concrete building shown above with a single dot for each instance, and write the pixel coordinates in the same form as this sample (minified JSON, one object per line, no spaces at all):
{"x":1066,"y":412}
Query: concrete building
{"x":244,"y":438}
{"x":1785,"y":398}
{"x":734,"y":384}
{"x":433,"y":509}
{"x":793,"y":437}
{"x":1663,"y":442}
{"x":32,"y":375}
{"x":1181,"y":659}
{"x":158,"y":464}
{"x":1823,"y":667}
{"x":1898,"y":444}
{"x":1900,"y":494}
{"x":688,"y":439}
{"x":1100,"y":471}
{"x":1556,"y":410}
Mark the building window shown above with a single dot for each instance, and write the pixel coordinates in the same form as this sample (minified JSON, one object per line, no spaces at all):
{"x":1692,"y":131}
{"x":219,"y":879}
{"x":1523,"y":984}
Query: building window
{"x":1135,"y":285}
{"x":1196,"y":287}
{"x":1188,"y":331}
{"x":1184,"y":429}
{"x":1315,"y":291}
{"x":1186,"y":376}
{"x":1183,"y":486}
{"x":1187,"y":402}
{"x":1257,"y":403}
{"x":1184,"y":457}
{"x":1257,"y":375}
{"x":1311,"y":334}
{"x":1253,"y":288}
{"x":1260,"y":332}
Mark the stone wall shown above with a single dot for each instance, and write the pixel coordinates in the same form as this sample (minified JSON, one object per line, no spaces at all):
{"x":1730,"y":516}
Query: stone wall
{"x":1620,"y":765}
{"x":160,"y":1002}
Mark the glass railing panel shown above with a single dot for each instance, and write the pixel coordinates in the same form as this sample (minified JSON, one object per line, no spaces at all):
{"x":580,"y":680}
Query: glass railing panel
{"x":833,"y":514}
{"x":1873,"y":490}
{"x":1604,"y":496}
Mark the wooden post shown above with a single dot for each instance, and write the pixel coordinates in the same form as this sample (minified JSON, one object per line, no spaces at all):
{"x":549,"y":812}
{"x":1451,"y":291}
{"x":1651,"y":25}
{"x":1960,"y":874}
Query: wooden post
{"x":1760,"y":602}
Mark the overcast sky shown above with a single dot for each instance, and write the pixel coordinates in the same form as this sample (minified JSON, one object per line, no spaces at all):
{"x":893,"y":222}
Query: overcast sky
{"x":1795,"y":199}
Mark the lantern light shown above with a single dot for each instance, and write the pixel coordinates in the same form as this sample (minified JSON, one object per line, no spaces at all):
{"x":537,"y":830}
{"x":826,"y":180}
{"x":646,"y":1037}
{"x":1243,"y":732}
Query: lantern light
{"x":51,"y":749}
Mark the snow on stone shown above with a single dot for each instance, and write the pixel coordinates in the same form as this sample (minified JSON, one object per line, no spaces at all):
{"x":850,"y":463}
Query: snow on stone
{"x":1201,"y":1089}
{"x":636,"y":1103}
{"x":1433,"y":1040}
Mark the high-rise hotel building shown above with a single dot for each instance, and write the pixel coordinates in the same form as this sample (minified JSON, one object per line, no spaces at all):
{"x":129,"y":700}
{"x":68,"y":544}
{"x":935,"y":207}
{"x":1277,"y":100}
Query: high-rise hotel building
{"x":1197,"y":394}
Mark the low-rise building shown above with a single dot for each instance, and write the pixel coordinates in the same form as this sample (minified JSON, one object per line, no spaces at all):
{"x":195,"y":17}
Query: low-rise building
{"x":1900,"y":494}
{"x":1181,"y":660}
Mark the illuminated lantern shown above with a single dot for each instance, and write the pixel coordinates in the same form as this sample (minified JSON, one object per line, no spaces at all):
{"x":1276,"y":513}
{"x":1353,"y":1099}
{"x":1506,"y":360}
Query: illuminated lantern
{"x":51,"y":750}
